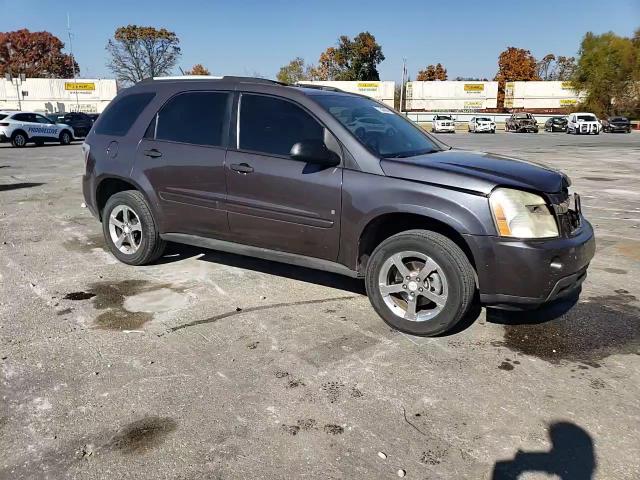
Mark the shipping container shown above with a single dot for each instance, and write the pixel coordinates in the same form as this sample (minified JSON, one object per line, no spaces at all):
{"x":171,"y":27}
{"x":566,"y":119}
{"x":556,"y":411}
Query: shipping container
{"x":383,"y":91}
{"x":541,"y":95}
{"x":49,"y":95}
{"x":462,"y":96}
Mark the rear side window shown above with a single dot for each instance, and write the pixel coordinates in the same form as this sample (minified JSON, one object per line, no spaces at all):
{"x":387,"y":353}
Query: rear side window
{"x":197,"y":118}
{"x":22,"y":117}
{"x":121,"y":115}
{"x":271,"y":125}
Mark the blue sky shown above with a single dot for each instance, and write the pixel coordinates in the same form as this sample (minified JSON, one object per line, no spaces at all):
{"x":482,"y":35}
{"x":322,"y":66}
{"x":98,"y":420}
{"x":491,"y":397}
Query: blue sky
{"x":248,"y":37}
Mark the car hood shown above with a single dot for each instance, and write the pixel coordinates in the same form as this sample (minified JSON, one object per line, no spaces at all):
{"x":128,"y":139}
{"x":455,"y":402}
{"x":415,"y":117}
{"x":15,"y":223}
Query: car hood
{"x":476,"y":171}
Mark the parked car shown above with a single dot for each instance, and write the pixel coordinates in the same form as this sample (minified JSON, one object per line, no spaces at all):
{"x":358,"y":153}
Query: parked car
{"x":93,"y":116}
{"x":364,"y":125}
{"x":616,"y":124}
{"x":583,"y":123}
{"x":279,"y":172}
{"x":443,"y":123}
{"x":21,"y":128}
{"x":521,"y":122}
{"x":81,"y":122}
{"x":556,"y":124}
{"x":482,"y":124}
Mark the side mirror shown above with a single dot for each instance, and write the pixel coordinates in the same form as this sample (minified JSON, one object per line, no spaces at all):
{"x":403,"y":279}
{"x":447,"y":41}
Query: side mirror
{"x":314,"y":151}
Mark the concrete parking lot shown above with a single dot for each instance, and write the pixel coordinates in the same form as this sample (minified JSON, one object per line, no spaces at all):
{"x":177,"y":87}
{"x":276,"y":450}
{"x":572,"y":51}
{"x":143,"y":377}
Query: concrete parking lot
{"x":211,"y":365}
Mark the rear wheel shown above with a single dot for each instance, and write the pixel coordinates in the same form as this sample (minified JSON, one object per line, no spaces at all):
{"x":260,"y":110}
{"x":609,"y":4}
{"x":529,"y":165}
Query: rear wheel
{"x":420,"y":282}
{"x":130,"y":229}
{"x":19,"y":140}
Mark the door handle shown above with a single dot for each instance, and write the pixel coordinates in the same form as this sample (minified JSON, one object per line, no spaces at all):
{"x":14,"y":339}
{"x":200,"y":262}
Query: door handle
{"x":153,"y":153}
{"x":242,"y":167}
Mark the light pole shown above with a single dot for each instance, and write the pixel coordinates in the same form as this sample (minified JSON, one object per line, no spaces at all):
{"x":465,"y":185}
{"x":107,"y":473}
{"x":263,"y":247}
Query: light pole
{"x":404,"y":73}
{"x":73,"y":61}
{"x":18,"y":81}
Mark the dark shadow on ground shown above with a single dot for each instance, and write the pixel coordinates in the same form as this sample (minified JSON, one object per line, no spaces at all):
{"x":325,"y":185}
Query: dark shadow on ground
{"x":178,"y":252}
{"x":17,"y":186}
{"x":572,"y":456}
{"x":546,"y":313}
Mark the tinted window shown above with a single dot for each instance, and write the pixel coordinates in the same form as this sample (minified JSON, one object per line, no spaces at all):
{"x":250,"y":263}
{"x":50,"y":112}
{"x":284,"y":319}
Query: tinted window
{"x":41,"y":119}
{"x":120,"y":115}
{"x":195,"y":117}
{"x":2,"y":116}
{"x":271,"y":125}
{"x":22,"y":117}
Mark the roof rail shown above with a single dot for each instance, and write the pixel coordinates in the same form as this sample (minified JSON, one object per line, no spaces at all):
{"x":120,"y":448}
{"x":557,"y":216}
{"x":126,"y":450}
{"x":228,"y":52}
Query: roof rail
{"x":318,"y":87}
{"x":225,"y":77}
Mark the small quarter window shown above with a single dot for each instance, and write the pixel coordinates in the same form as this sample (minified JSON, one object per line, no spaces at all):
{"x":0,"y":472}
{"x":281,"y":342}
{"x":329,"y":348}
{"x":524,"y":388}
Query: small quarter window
{"x":122,"y":114}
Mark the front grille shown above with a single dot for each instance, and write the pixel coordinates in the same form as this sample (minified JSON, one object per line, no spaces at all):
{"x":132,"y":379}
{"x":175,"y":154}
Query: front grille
{"x":567,"y":209}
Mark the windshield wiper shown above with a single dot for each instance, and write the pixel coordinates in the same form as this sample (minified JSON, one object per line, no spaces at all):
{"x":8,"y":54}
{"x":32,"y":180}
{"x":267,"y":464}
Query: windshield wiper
{"x":409,"y":154}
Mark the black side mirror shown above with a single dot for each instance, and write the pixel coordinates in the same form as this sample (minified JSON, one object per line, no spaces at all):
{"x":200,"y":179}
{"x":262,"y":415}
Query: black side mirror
{"x":314,"y":151}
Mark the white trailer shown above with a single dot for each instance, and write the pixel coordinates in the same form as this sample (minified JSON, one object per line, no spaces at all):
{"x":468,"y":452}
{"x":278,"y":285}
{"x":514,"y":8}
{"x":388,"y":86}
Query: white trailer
{"x":537,"y":95}
{"x":50,"y":95}
{"x":461,"y":96}
{"x":383,"y":91}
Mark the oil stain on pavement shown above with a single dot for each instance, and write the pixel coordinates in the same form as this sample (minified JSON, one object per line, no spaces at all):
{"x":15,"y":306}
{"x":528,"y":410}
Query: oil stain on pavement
{"x":142,"y":435}
{"x":591,"y":331}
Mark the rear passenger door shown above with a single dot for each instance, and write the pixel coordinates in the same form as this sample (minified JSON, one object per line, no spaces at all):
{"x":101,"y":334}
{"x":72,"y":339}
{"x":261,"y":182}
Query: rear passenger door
{"x":274,"y":201}
{"x":182,"y":158}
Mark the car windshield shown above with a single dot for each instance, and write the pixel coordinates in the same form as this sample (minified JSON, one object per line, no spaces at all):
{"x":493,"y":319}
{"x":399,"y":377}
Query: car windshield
{"x":618,"y":119}
{"x":522,"y":116}
{"x":587,"y":118}
{"x":389,"y":136}
{"x":443,"y":117}
{"x":483,"y":119}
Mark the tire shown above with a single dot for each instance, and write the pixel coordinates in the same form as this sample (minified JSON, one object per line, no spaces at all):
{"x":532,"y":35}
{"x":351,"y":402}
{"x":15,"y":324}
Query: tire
{"x":65,"y":137}
{"x":455,"y":280}
{"x":149,"y":244}
{"x":19,"y":140}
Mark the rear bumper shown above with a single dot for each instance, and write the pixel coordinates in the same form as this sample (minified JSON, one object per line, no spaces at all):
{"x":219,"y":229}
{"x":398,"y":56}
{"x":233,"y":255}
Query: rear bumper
{"x":528,"y":129}
{"x":529,"y":273}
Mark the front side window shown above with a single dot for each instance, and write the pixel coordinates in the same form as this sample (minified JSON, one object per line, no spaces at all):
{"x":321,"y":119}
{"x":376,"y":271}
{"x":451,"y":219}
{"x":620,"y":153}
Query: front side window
{"x":271,"y":125}
{"x":197,"y":118}
{"x":393,"y":136}
{"x":41,"y":119}
{"x":118,"y":118}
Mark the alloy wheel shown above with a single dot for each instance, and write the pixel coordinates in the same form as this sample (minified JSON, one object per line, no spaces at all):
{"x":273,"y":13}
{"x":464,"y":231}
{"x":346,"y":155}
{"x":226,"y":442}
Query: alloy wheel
{"x":413,"y":286}
{"x":125,"y":229}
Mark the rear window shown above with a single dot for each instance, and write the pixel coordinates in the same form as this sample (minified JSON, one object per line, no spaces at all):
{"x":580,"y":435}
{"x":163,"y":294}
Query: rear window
{"x":121,"y":115}
{"x":2,"y":116}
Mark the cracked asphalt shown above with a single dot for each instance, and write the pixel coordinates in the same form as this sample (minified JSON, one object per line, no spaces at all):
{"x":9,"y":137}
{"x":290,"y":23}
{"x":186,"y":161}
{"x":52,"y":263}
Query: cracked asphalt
{"x":208,"y":365}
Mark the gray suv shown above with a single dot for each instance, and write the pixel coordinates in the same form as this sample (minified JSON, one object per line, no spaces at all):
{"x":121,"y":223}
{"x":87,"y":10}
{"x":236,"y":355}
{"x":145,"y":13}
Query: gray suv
{"x":334,"y":181}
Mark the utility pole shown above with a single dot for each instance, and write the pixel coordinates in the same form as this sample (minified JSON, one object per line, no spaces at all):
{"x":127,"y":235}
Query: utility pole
{"x":73,"y":61}
{"x":404,"y":73}
{"x":18,"y":81}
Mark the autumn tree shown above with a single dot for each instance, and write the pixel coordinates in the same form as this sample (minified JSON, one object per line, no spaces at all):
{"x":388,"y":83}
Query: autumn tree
{"x":608,"y":69}
{"x":198,"y":69}
{"x":330,"y":65}
{"x":514,"y":64}
{"x":142,"y":52}
{"x":294,"y":71}
{"x":36,"y":54}
{"x":432,"y":72}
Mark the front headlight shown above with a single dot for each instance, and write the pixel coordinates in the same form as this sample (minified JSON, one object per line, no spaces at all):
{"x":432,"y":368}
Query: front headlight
{"x":521,"y":214}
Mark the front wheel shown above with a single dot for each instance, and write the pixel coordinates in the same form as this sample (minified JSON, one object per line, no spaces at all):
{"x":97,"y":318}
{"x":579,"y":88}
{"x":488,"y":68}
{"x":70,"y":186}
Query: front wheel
{"x":420,"y":282}
{"x":130,"y":230}
{"x":65,"y":138}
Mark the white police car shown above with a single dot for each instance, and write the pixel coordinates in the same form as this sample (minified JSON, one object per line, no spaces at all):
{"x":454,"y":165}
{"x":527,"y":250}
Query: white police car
{"x":20,"y":128}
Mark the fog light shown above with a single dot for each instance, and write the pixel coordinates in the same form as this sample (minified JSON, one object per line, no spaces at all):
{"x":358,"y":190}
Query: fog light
{"x":556,"y":264}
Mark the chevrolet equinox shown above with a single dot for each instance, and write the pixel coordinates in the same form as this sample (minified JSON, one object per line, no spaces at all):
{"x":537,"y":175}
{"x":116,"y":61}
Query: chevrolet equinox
{"x":317,"y":177}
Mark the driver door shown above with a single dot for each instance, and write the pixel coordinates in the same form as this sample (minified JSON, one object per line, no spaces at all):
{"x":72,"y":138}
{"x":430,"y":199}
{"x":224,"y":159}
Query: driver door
{"x":274,"y":201}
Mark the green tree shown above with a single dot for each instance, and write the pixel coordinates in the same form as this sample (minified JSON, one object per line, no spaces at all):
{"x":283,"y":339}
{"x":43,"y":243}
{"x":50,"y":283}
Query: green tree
{"x":607,"y":70}
{"x":142,"y":52}
{"x":294,"y":71}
